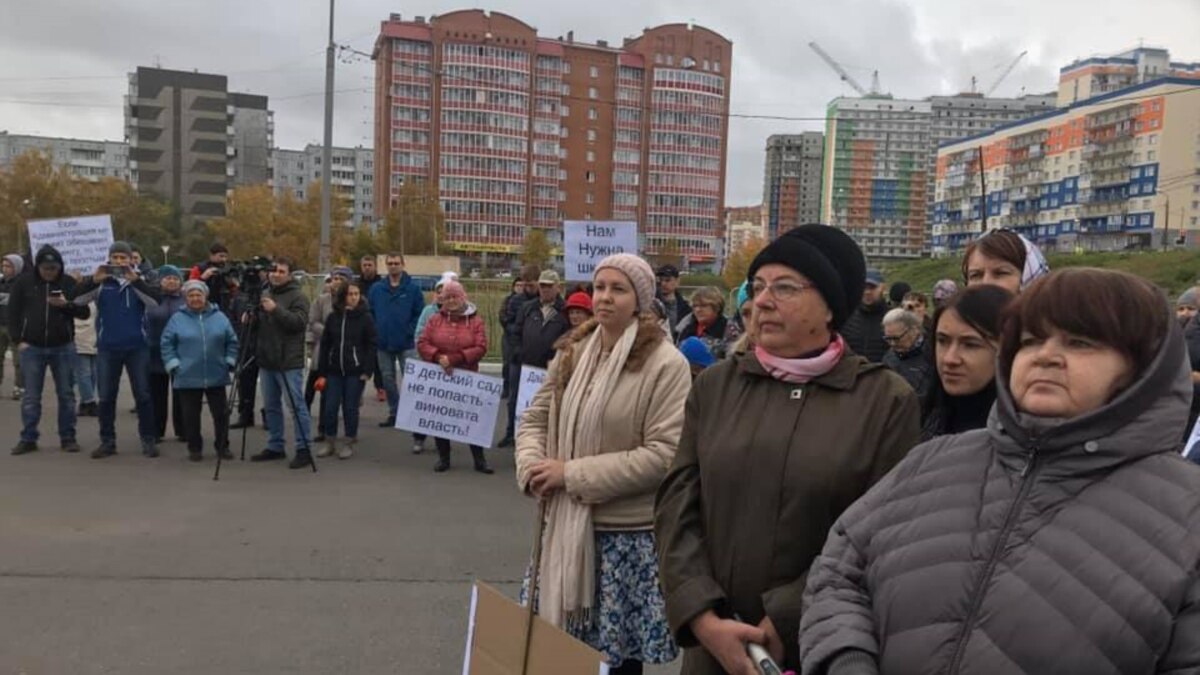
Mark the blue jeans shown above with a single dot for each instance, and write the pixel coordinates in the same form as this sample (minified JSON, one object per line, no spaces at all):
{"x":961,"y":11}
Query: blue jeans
{"x":85,"y":377}
{"x":136,"y":363}
{"x":342,"y":392}
{"x":273,"y":382}
{"x":61,"y":361}
{"x":392,"y":376}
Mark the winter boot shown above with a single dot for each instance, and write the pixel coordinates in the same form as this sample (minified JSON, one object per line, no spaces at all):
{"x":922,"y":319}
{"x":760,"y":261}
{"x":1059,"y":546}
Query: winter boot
{"x":481,"y":464}
{"x":443,"y":463}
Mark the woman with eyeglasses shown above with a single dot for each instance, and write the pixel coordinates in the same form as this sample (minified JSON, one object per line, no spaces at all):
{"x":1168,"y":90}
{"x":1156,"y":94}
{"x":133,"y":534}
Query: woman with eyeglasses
{"x":966,"y":336}
{"x":706,"y":321}
{"x":777,"y":441}
{"x":1003,"y":258}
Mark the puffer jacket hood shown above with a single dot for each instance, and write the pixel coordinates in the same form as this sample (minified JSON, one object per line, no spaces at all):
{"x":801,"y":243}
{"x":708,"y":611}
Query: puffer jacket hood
{"x":48,"y":253}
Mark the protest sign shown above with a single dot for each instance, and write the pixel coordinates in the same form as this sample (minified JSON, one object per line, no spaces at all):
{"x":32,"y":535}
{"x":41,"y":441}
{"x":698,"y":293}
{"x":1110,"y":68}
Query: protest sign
{"x":587,"y":242}
{"x":460,"y":406}
{"x":531,"y":381}
{"x":496,"y":641}
{"x":83,"y":241}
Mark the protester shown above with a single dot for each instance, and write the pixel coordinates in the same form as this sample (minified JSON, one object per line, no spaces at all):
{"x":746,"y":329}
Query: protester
{"x":241,"y":311}
{"x":41,"y":315}
{"x":346,"y":360}
{"x":455,"y":338}
{"x":1063,"y":539}
{"x":777,"y":441}
{"x":735,"y":328}
{"x":396,"y":304}
{"x":170,"y":301}
{"x":282,"y":316}
{"x":706,"y":322}
{"x":539,"y":325}
{"x":697,"y":354}
{"x":212,"y":273}
{"x":896,"y":293}
{"x":1185,"y":313}
{"x":918,"y":304}
{"x":1187,"y":305}
{"x":524,"y":289}
{"x":966,"y":338}
{"x":436,"y":306}
{"x":318,"y":314}
{"x":863,"y":331}
{"x":200,"y":349}
{"x":145,"y":268}
{"x":943,"y":291}
{"x":579,"y":308}
{"x":85,"y":363}
{"x":593,"y":445}
{"x":1003,"y":258}
{"x":506,"y":344}
{"x":122,"y":299}
{"x":10,"y":267}
{"x":907,"y":353}
{"x":668,"y":294}
{"x":367,"y":278}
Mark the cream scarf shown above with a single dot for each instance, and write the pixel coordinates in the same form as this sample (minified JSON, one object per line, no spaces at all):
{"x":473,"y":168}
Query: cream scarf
{"x":567,"y":586}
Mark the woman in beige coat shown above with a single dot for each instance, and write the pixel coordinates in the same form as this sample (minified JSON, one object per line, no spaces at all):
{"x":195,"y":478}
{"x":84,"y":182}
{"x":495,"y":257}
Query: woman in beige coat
{"x":593,"y":446}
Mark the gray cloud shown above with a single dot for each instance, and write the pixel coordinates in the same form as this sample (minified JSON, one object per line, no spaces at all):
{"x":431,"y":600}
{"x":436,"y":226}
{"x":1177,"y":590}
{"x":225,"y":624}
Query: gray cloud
{"x":274,"y":47}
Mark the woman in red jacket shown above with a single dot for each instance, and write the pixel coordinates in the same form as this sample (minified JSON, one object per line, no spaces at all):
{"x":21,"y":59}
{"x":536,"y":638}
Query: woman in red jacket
{"x":455,"y":338}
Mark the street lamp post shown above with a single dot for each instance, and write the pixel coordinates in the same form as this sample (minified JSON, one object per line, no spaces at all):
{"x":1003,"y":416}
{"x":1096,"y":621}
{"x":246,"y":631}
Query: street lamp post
{"x":166,"y":249}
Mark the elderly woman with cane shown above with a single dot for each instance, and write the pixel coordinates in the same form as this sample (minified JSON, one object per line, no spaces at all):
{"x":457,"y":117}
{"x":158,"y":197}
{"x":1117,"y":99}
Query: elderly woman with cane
{"x":592,"y":447}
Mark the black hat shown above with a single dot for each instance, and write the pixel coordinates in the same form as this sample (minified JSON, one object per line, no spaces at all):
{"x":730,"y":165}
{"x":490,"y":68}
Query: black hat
{"x":828,"y":257}
{"x":898,"y":291}
{"x":668,"y":271}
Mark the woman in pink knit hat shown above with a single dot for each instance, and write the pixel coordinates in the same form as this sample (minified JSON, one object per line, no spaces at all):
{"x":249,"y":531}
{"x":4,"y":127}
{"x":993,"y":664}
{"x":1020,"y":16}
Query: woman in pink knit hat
{"x":593,"y":447}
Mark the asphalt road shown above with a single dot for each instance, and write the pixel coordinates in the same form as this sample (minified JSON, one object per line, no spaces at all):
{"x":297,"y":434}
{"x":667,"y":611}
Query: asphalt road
{"x":147,"y":566}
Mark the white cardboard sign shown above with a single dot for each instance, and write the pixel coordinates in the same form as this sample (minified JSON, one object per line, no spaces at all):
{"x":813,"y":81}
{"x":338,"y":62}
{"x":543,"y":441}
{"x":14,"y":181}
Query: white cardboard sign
{"x":461,"y":406}
{"x":83,"y":241}
{"x":587,"y":242}
{"x":531,"y":382}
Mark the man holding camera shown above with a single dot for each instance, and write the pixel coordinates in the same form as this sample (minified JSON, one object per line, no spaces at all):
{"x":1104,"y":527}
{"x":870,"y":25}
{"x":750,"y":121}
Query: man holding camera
{"x":211,"y":273}
{"x":282,"y":317}
{"x":41,"y":320}
{"x":121,"y":296}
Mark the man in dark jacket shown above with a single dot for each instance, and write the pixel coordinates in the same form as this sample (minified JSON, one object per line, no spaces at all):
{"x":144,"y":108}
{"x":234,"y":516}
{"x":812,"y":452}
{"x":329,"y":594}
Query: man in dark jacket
{"x":863,"y":331}
{"x":672,"y":300}
{"x":907,"y":354}
{"x":121,"y":296}
{"x":368,"y":276}
{"x":540,"y":323}
{"x":282,"y":318}
{"x":507,"y":347}
{"x":212,"y":273}
{"x":10,"y":267}
{"x":41,"y":320}
{"x":525,"y":289}
{"x":396,"y":303}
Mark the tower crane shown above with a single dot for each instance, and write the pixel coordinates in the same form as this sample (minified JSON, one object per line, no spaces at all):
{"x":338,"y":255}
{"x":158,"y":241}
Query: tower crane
{"x":837,"y":68}
{"x":1006,"y":73}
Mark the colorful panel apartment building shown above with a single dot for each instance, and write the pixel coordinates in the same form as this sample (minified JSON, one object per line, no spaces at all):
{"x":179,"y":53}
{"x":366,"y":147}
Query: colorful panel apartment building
{"x":1099,"y":75}
{"x":1107,"y":173}
{"x":524,"y":131}
{"x":792,"y":181}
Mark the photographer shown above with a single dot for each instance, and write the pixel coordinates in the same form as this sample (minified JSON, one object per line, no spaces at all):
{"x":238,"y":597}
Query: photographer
{"x":212,"y":272}
{"x":282,"y":317}
{"x":122,"y":297}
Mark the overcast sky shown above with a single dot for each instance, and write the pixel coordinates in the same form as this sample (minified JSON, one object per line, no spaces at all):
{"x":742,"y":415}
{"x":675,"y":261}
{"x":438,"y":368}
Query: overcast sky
{"x":63,"y":62}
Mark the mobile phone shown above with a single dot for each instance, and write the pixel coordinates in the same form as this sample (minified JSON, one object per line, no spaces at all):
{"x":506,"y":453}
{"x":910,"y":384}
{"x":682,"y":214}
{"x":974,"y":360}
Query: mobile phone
{"x":115,"y":270}
{"x":56,"y":293}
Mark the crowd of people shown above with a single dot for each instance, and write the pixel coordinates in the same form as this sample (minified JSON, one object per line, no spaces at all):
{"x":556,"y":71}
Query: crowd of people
{"x":859,"y":479}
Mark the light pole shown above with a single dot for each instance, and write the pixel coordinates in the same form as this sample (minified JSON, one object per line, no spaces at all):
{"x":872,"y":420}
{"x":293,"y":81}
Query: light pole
{"x":166,"y":249}
{"x":327,"y":151}
{"x":29,"y":204}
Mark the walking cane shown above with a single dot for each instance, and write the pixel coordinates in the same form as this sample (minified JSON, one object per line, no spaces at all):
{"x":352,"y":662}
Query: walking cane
{"x":534,"y":573}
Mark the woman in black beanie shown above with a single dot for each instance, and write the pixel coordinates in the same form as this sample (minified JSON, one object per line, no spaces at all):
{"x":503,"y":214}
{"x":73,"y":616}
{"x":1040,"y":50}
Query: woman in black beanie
{"x":776,"y":443}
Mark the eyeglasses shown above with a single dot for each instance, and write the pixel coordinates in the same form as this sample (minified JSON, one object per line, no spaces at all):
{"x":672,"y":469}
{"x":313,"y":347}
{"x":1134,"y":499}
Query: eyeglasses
{"x":893,"y":339}
{"x":780,"y":290}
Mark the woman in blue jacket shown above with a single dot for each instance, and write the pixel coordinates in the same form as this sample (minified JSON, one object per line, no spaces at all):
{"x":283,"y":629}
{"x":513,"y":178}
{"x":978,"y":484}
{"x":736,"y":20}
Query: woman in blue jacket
{"x":200,"y":348}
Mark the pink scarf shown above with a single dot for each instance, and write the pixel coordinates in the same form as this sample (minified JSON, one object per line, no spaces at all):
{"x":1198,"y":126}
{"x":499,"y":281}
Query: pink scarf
{"x":802,"y":371}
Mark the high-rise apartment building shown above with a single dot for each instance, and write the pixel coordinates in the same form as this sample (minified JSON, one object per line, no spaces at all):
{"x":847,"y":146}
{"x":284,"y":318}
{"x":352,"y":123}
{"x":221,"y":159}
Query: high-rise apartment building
{"x":90,"y":160}
{"x":742,"y":224}
{"x":1088,"y":78}
{"x":352,"y":176}
{"x":521,"y":131}
{"x":191,"y":140}
{"x":1120,"y":170}
{"x":792,"y":181}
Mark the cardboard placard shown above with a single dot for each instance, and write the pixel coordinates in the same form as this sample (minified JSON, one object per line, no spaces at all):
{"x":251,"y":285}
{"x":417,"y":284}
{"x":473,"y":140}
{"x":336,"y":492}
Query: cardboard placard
{"x":461,"y":406}
{"x":587,"y":242}
{"x":531,"y":382}
{"x":83,"y":241}
{"x":496,"y":641}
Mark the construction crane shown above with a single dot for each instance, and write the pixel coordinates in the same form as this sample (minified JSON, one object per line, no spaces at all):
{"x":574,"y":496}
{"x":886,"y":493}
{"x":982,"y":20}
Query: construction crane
{"x":837,"y":67}
{"x":1006,"y":73}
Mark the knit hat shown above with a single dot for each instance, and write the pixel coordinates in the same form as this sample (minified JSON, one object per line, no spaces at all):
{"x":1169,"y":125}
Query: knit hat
{"x":195,"y":285}
{"x":17,"y":261}
{"x":120,"y":247}
{"x":639,"y":272}
{"x":343,"y":272}
{"x":828,"y":257}
{"x":453,"y":289}
{"x":1189,"y":298}
{"x":579,"y":300}
{"x":743,"y":295}
{"x":898,"y":291}
{"x":944,"y":290}
{"x":446,"y":278}
{"x":169,"y":271}
{"x":696,"y":352}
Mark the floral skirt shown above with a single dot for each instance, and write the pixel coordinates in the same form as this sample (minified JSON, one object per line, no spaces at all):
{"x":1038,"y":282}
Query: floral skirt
{"x":629,"y":614}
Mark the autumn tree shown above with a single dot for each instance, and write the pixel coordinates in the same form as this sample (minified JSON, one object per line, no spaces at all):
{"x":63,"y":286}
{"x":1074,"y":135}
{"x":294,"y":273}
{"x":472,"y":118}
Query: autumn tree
{"x":257,"y":222}
{"x":415,"y":225}
{"x":737,"y":265}
{"x":362,"y":242}
{"x":32,"y":188}
{"x":536,"y":249}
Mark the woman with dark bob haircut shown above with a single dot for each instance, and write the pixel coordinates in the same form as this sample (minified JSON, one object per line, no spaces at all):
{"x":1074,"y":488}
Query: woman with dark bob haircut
{"x":1064,"y":538}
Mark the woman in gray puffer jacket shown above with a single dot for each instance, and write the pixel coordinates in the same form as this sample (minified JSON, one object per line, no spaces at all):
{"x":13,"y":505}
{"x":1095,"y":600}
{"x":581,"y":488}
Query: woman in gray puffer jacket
{"x":1064,"y":538}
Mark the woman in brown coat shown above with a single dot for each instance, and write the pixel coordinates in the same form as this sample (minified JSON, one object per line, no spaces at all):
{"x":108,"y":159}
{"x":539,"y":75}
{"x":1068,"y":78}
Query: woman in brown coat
{"x":776,"y":442}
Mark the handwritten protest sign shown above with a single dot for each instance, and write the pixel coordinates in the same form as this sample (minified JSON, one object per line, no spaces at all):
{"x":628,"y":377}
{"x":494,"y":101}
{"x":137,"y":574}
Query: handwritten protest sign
{"x":83,"y":241}
{"x":587,"y":242}
{"x":531,"y":381}
{"x":461,"y":406}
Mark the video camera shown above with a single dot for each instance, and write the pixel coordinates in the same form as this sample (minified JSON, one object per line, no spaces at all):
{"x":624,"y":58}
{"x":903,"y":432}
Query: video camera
{"x":246,"y":274}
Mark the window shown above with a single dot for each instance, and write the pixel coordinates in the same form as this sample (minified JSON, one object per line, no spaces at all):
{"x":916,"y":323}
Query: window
{"x":590,"y":198}
{"x":592,"y":92}
{"x":1153,"y":139}
{"x":591,"y":135}
{"x":566,"y":67}
{"x":566,"y":111}
{"x":591,"y":156}
{"x":1151,"y":155}
{"x":590,"y":176}
{"x":593,"y":72}
{"x":592,"y":115}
